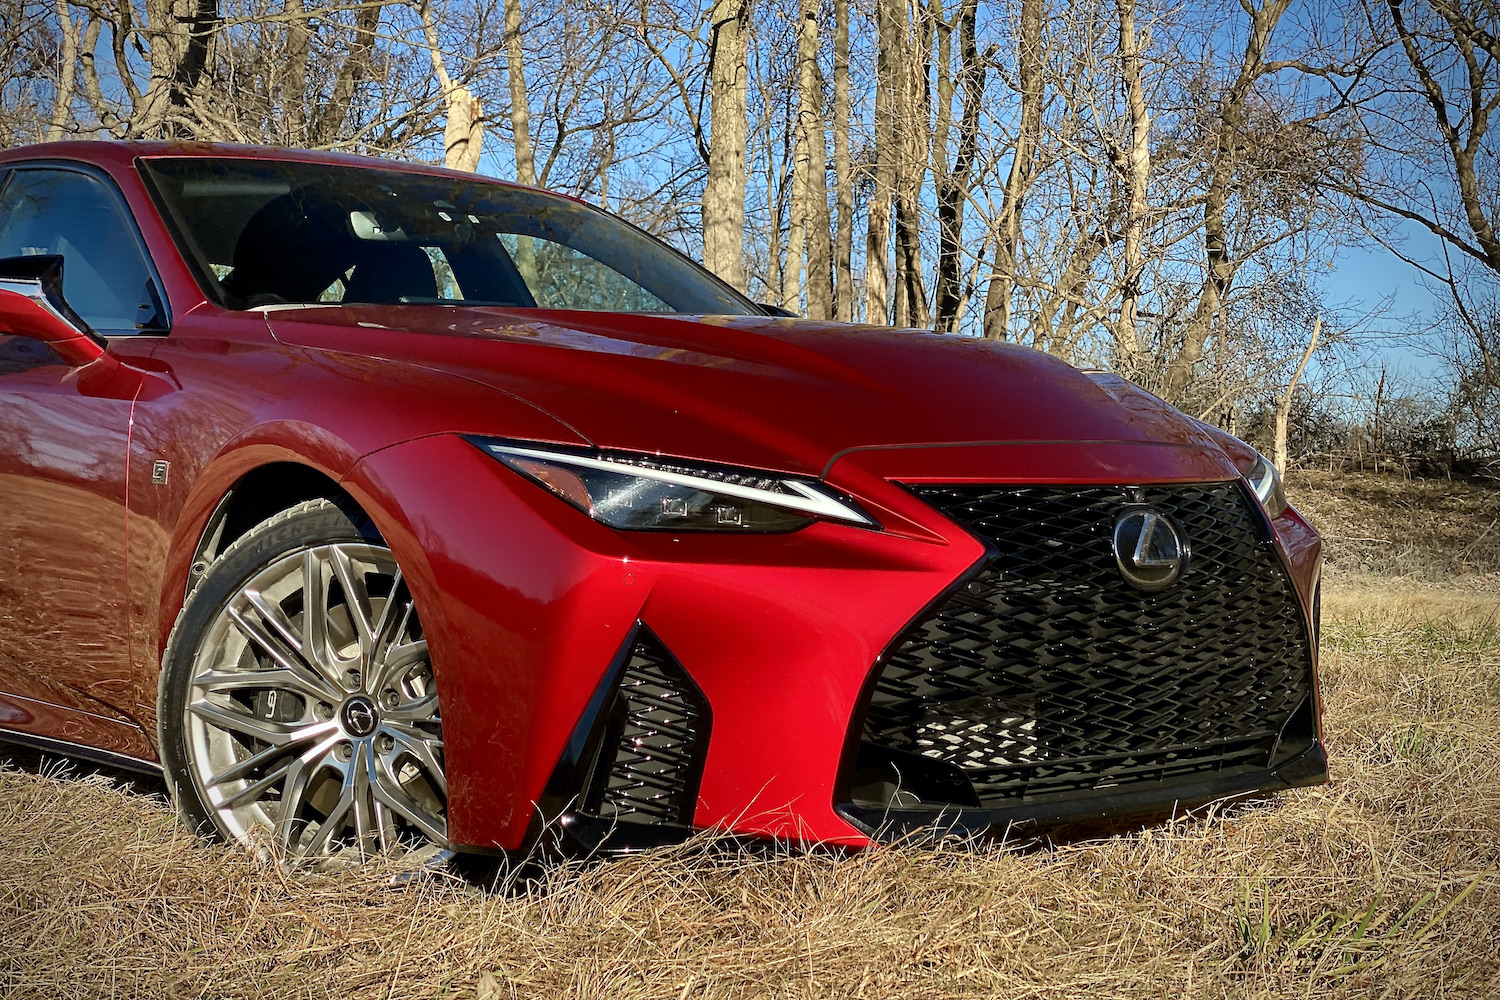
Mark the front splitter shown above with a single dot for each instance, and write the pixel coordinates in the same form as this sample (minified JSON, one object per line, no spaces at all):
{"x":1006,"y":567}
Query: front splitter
{"x":1024,"y":818}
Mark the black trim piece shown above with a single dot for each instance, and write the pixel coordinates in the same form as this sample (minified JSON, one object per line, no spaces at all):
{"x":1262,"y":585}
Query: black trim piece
{"x":123,"y":203}
{"x":91,"y":754}
{"x":595,"y":835}
{"x":575,"y":762}
{"x":209,"y":544}
{"x":47,"y":271}
{"x":1310,"y":768}
{"x":568,"y":817}
{"x":650,"y":762}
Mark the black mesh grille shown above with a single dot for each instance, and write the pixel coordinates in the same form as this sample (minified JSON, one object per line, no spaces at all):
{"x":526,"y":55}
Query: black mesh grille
{"x":651,"y":757}
{"x":1048,"y":673}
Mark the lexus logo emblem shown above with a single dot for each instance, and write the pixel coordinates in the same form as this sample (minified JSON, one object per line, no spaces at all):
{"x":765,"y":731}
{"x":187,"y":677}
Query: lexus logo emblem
{"x":1150,"y":548}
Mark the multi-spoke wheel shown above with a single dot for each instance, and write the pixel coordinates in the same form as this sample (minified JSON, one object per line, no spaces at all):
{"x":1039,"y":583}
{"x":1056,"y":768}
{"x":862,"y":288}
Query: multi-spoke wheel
{"x":298,"y":707}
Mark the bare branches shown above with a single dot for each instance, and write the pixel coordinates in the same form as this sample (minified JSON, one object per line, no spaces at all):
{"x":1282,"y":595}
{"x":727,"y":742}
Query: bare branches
{"x":1474,"y":49}
{"x":1130,"y":183}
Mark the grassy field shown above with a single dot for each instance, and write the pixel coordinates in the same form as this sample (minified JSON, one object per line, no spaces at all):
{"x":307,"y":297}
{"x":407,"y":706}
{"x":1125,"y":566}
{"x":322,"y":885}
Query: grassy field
{"x":1384,"y":883}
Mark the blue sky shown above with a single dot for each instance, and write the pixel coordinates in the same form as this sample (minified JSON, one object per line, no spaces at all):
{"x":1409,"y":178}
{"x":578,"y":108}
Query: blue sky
{"x":1363,"y":277}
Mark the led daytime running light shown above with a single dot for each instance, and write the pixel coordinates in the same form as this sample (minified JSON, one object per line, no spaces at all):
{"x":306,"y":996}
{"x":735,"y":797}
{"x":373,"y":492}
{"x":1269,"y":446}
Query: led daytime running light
{"x":1265,"y":481}
{"x":803,"y":498}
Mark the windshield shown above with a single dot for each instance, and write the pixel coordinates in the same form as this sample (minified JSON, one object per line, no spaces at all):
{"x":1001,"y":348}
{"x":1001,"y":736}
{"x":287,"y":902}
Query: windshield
{"x":266,"y":232}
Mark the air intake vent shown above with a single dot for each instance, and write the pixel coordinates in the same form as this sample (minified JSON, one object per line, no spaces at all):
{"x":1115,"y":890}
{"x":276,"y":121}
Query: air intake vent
{"x":1046,"y":674}
{"x":651,"y":755}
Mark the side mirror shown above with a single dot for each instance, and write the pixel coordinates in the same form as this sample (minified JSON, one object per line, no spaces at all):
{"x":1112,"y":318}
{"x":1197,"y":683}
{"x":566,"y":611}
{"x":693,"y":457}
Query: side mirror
{"x":32,"y":305}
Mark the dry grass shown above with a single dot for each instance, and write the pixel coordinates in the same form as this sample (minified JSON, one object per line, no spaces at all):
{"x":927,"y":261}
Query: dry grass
{"x":1384,"y":883}
{"x":1429,"y":530}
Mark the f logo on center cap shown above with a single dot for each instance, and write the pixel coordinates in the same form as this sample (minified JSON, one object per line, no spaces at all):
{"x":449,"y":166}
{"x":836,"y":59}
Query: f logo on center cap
{"x":359,"y":717}
{"x":1150,"y":548}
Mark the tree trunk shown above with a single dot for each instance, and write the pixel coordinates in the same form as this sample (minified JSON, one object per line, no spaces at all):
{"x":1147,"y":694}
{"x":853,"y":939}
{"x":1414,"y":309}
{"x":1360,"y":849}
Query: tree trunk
{"x":877,"y":242}
{"x":953,"y":185}
{"x":911,"y":166}
{"x":774,"y":195}
{"x":1138,"y":173}
{"x":997,"y":302}
{"x":1284,"y":406}
{"x":791,"y":271}
{"x":901,"y":115}
{"x":843,"y":250}
{"x":913,"y":103}
{"x":814,"y":139}
{"x":68,"y":69}
{"x":911,"y":290}
{"x":520,"y":108}
{"x":294,"y":75}
{"x":724,"y":191}
{"x":463,"y":135}
{"x":180,"y":32}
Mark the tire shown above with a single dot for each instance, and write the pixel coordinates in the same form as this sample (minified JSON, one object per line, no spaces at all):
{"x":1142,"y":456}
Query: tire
{"x":306,"y":727}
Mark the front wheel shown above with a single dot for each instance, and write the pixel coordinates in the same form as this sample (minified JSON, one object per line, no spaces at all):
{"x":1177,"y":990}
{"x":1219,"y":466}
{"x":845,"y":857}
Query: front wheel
{"x":297,"y":706}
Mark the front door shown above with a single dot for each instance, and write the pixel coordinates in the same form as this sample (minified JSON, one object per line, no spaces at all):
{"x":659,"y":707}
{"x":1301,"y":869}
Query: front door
{"x":65,"y":658}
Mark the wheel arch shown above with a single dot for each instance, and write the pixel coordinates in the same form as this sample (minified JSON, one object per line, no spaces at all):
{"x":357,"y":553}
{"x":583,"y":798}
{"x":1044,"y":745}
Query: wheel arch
{"x":263,"y":492}
{"x":233,"y":494}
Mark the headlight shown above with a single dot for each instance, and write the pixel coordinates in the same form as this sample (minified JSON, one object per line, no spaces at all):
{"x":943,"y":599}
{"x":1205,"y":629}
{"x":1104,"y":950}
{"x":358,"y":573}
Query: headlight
{"x":1266,"y":482}
{"x":646,"y":493}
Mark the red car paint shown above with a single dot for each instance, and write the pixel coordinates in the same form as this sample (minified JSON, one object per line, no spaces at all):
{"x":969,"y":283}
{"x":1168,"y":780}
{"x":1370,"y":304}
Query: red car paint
{"x":526,"y":600}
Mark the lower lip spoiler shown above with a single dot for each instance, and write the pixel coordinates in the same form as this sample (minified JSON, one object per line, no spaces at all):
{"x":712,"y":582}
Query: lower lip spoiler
{"x":578,"y":835}
{"x":1095,"y":806}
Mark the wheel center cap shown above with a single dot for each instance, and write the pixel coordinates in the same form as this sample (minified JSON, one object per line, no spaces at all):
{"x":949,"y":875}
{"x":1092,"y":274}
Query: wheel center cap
{"x":359,"y":716}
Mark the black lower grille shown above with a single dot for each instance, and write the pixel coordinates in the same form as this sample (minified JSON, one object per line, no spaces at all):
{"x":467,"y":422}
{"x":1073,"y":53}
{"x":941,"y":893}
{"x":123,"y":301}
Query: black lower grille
{"x":650,"y":758}
{"x":1047,"y":674}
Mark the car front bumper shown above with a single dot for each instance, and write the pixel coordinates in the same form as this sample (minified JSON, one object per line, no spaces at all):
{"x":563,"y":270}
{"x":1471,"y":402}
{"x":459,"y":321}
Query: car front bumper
{"x":530,"y":608}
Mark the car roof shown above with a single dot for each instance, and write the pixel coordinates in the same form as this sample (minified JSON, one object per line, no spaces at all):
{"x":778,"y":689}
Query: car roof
{"x":122,"y":152}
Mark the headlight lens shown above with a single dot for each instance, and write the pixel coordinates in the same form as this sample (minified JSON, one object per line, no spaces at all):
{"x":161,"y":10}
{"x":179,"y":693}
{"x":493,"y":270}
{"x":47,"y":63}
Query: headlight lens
{"x":1266,"y":482}
{"x":646,"y":493}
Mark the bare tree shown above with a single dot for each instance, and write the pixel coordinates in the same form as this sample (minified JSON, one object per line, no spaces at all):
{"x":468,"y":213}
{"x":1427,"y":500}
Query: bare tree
{"x":952,"y":183}
{"x":1137,"y":169}
{"x":724,"y":191}
{"x":813,"y":137}
{"x":1023,"y":165}
{"x":889,"y":16}
{"x":843,"y":248}
{"x":1451,"y":68}
{"x":1284,"y":404}
{"x":463,"y":136}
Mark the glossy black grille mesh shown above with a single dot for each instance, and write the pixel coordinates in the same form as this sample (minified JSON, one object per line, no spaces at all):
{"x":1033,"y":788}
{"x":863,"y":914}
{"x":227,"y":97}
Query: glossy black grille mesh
{"x":1048,"y":673}
{"x":650,"y":759}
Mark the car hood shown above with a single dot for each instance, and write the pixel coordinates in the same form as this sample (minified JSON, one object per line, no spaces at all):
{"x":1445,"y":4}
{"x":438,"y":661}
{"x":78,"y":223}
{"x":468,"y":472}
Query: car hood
{"x":771,"y":393}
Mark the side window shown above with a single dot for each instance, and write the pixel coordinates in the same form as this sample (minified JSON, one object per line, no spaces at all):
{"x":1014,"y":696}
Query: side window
{"x":105,"y":277}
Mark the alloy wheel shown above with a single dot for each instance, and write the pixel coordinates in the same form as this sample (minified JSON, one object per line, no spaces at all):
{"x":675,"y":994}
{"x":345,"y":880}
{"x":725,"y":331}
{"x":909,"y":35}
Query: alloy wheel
{"x":311,"y":718}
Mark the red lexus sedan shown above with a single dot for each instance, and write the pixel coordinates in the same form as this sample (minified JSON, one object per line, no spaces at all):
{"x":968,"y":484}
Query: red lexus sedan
{"x":383,"y":507}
